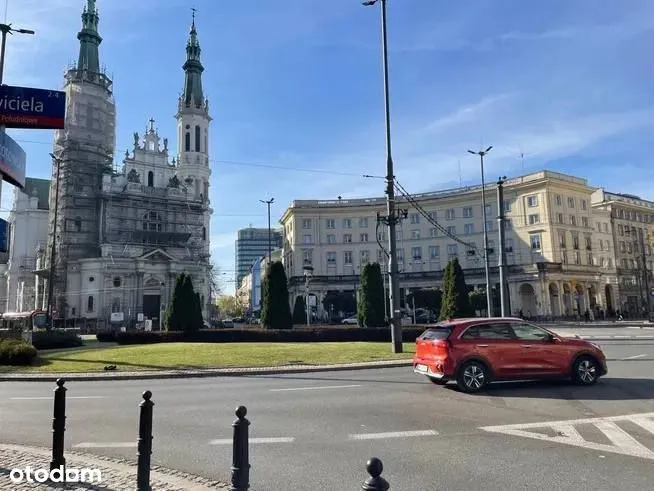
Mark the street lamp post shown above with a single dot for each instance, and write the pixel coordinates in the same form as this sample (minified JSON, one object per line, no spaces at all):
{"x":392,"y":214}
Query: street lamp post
{"x":391,"y":219}
{"x":268,"y":203}
{"x":308,"y":273}
{"x":489,"y":305}
{"x":54,"y":242}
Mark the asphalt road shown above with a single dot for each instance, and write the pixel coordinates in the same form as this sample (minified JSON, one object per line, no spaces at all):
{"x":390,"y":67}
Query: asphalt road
{"x":315,"y":431}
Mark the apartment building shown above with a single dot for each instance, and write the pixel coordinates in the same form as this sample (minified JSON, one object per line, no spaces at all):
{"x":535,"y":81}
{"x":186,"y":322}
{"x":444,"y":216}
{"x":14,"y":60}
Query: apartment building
{"x":632,"y":222}
{"x":250,"y":245}
{"x":555,"y":264}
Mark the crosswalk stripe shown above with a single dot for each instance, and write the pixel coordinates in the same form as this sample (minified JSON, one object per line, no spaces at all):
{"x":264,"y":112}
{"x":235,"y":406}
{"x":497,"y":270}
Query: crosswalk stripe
{"x":622,"y":439}
{"x":392,"y":434}
{"x":646,"y":424}
{"x":230,"y":441}
{"x":105,"y":445}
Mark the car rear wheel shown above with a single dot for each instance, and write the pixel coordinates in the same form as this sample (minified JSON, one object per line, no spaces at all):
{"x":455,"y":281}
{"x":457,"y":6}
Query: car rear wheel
{"x":472,"y":377}
{"x":585,"y":371}
{"x":437,"y":381}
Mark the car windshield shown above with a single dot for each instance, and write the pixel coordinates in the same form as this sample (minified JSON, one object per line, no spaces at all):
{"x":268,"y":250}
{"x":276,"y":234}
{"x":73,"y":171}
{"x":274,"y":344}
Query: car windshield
{"x":437,"y":332}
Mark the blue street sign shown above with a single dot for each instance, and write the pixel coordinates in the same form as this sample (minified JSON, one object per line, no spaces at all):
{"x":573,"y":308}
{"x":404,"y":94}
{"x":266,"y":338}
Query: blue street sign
{"x":4,"y":236}
{"x":25,"y":107}
{"x":12,"y":161}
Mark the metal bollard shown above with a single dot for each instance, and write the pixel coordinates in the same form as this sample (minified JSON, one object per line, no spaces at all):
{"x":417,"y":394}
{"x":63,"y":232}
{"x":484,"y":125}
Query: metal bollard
{"x":241,"y":455}
{"x":144,"y":443}
{"x":375,"y":482}
{"x":58,"y":426}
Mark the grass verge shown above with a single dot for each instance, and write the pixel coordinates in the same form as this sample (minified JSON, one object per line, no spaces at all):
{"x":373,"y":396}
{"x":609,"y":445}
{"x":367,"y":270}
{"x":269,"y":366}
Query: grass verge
{"x":211,"y":355}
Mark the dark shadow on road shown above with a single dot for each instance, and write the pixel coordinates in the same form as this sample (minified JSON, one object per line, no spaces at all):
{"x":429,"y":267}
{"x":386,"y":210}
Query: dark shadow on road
{"x":606,"y":389}
{"x":334,"y":379}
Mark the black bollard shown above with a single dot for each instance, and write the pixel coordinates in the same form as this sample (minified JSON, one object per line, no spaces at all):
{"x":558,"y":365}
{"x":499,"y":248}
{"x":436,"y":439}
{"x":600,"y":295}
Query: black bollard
{"x":58,"y":426}
{"x":241,"y":455}
{"x":144,"y":443}
{"x":375,"y":482}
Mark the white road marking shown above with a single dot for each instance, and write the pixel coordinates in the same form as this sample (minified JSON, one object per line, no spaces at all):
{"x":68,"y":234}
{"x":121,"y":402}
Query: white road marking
{"x":621,"y":441}
{"x":315,"y":388}
{"x":634,"y":357}
{"x":43,"y":398}
{"x":105,"y":445}
{"x":230,"y":441}
{"x":392,"y":434}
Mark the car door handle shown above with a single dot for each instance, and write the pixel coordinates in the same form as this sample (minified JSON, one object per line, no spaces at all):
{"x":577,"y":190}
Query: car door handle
{"x":482,"y":346}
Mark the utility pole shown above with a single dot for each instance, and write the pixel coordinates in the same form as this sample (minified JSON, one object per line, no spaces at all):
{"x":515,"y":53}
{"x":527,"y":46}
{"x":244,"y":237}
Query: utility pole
{"x":54,"y":242}
{"x":502,"y":242}
{"x":489,"y":303}
{"x":392,"y":218}
{"x":269,"y":202}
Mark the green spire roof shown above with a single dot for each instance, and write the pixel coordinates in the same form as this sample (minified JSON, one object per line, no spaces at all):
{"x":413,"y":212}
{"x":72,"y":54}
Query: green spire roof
{"x":193,"y":69}
{"x":89,"y":40}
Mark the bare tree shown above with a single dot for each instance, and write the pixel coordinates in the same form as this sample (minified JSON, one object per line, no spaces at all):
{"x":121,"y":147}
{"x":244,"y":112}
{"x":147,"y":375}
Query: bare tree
{"x":215,"y":283}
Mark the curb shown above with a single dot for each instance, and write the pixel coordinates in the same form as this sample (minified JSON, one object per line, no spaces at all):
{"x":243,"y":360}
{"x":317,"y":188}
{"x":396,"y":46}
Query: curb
{"x":216,"y":372}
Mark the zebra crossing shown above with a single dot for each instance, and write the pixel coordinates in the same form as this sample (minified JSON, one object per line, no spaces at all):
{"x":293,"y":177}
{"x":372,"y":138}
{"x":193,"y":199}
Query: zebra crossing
{"x":625,"y":435}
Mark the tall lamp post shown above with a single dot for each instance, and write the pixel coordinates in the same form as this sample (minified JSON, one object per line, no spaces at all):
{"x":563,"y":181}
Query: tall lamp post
{"x":489,"y":305}
{"x":54,"y":241}
{"x":391,"y":219}
{"x":308,"y":273}
{"x":268,"y":203}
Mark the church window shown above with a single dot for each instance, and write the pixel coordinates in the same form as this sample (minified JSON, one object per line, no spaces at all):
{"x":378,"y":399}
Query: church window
{"x":150,"y":179}
{"x":89,"y":304}
{"x":197,"y":138}
{"x":78,"y":224}
{"x":187,"y":142}
{"x":115,"y":305}
{"x":152,"y":222}
{"x":204,"y":233}
{"x":117,"y":281}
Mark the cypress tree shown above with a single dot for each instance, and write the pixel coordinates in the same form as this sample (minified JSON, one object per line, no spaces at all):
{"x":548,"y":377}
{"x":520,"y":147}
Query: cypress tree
{"x":462,"y":298}
{"x":456,"y":302}
{"x":174,"y":312}
{"x":370,"y":311}
{"x":447,"y":304}
{"x":275,"y":310}
{"x":199,"y":319}
{"x":300,"y":310}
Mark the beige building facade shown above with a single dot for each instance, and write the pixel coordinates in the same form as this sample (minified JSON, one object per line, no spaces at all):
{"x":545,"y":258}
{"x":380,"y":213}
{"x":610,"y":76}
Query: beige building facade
{"x":559,"y":262}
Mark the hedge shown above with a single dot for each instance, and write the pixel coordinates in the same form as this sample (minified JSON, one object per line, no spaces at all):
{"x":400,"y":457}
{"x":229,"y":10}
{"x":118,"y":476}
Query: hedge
{"x":56,"y":339}
{"x":106,"y":336}
{"x":16,"y":352}
{"x":325,"y":334}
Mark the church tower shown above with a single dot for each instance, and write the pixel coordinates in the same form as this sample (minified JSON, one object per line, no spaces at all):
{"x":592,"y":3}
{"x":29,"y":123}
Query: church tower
{"x":82,"y":154}
{"x":193,"y":130}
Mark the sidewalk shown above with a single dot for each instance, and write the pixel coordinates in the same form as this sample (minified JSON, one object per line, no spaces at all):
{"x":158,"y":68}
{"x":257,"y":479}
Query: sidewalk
{"x":116,"y":475}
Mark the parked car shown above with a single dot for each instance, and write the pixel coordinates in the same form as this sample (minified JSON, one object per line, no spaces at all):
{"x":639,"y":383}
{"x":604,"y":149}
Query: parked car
{"x":475,"y":352}
{"x":350,"y":320}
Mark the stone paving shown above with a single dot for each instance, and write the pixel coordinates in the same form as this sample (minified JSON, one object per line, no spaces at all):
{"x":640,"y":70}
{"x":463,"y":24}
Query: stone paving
{"x":116,"y":475}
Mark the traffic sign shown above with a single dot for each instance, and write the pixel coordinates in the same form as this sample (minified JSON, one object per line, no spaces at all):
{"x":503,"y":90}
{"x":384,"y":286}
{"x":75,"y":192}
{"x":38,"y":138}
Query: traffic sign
{"x":12,"y":161}
{"x":25,"y":107}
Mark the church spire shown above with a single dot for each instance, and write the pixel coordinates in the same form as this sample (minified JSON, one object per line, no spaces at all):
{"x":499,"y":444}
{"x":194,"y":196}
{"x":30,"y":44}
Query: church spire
{"x":89,"y":40}
{"x":193,"y":70}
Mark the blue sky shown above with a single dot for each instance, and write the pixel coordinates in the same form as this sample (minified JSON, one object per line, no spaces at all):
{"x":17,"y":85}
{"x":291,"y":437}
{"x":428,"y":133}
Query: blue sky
{"x":296,"y":95}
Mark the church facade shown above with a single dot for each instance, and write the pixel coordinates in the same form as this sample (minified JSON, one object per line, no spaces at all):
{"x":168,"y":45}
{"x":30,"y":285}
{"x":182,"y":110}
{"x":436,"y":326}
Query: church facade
{"x":121,"y":237}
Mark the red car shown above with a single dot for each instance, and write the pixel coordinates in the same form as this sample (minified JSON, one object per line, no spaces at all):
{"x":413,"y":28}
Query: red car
{"x":477,"y":351}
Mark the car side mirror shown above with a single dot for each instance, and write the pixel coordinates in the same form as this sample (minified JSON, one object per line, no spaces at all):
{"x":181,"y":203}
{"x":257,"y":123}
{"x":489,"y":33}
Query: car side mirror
{"x":551,"y":338}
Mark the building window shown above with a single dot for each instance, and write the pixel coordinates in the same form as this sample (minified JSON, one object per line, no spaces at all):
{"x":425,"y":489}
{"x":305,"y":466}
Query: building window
{"x":491,"y":247}
{"x":589,"y":258}
{"x":534,"y":241}
{"x":347,"y":238}
{"x":468,"y":228}
{"x":467,"y":212}
{"x":331,"y":239}
{"x":152,"y":222}
{"x":434,"y":252}
{"x":331,"y":223}
{"x":364,"y":237}
{"x":562,"y":240}
{"x":415,"y":234}
{"x":577,"y":257}
{"x":307,"y":239}
{"x":117,"y":282}
{"x":78,"y":224}
{"x":433,"y":232}
{"x":347,"y":257}
{"x":559,"y":218}
{"x":307,"y":256}
{"x":400,"y":255}
{"x":115,"y":305}
{"x":197,"y":138}
{"x":331,"y":258}
{"x":599,"y":227}
{"x":534,"y":219}
{"x":564,"y":257}
{"x":583,"y":204}
{"x":306,"y":223}
{"x":451,"y":230}
{"x":452,"y":251}
{"x":204,"y":233}
{"x":584,"y":222}
{"x":449,"y":214}
{"x":363,"y":223}
{"x":150,"y":179}
{"x":606,"y":228}
{"x":559,"y":200}
{"x":489,"y":226}
{"x":571,"y":202}
{"x":589,"y":244}
{"x":573,"y":220}
{"x":416,"y":253}
{"x":381,"y":257}
{"x":399,"y":234}
{"x":532,"y":201}
{"x":187,"y":141}
{"x":489,"y":210}
{"x":347,"y":223}
{"x":89,"y":304}
{"x":365,"y":257}
{"x":508,"y":224}
{"x":414,"y":218}
{"x":432,"y":215}
{"x":575,"y":242}
{"x":381,"y":236}
{"x":507,"y":205}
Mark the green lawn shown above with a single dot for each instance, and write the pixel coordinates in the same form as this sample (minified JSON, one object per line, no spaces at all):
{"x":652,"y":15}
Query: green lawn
{"x":211,"y":355}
